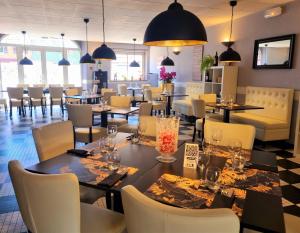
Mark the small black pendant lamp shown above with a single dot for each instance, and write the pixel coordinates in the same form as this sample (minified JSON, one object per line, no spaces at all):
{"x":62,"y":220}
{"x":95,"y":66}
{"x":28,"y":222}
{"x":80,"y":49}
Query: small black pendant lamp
{"x":167,"y":61}
{"x":87,"y":58}
{"x":63,"y":61}
{"x":25,"y":60}
{"x":175,"y":27}
{"x":134,"y":63}
{"x":230,"y":55}
{"x":104,"y":52}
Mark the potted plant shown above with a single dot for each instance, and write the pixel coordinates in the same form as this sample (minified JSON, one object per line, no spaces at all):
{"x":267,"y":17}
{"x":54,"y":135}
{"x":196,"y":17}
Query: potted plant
{"x":207,"y":62}
{"x":166,"y":77}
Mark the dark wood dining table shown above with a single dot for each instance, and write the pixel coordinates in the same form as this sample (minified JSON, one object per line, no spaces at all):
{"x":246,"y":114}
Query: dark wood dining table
{"x":104,"y":111}
{"x":228,"y":108}
{"x":261,"y":210}
{"x":91,"y":99}
{"x":169,"y":97}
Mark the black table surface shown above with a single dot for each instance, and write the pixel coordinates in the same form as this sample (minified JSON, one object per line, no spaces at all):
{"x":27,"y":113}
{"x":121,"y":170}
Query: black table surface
{"x":83,"y":97}
{"x":234,"y":107}
{"x":174,"y":95}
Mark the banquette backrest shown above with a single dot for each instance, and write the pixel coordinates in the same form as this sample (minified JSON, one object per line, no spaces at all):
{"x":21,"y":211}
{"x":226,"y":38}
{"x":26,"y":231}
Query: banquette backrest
{"x":277,"y":102}
{"x":193,"y":89}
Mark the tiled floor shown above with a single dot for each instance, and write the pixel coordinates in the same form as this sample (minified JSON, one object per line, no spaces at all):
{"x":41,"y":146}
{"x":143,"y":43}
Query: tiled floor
{"x":16,"y":143}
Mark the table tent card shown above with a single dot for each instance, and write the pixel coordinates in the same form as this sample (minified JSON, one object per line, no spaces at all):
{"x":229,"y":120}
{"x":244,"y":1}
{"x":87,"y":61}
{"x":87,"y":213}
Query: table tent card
{"x":191,"y":153}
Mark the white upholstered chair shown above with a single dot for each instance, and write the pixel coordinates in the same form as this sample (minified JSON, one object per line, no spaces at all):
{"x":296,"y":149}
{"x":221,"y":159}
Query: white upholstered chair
{"x":37,"y":98}
{"x":157,"y":106}
{"x":145,"y":110}
{"x":68,"y":85}
{"x":56,"y":98}
{"x":81,"y":116}
{"x":119,"y":102}
{"x":147,"y":125}
{"x":107,"y":96}
{"x":156,"y":217}
{"x":16,"y":99}
{"x":198,"y":106}
{"x":103,"y":90}
{"x":244,"y":133}
{"x":50,"y":203}
{"x":3,"y":103}
{"x":122,"y":89}
{"x":54,"y":139}
{"x":71,"y":92}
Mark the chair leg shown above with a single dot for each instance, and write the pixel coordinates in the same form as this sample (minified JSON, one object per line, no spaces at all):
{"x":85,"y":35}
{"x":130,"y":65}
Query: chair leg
{"x":31,"y":108}
{"x":90,"y":134}
{"x":51,"y":107}
{"x":62,"y":107}
{"x":10,"y":110}
{"x":194,"y":134}
{"x":203,"y":122}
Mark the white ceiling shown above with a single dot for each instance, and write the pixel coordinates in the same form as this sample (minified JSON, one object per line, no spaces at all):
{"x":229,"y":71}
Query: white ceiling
{"x":125,"y":19}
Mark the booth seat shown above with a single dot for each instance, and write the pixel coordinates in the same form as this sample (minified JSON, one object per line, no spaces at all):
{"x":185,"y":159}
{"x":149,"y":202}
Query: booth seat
{"x":194,"y":91}
{"x":273,"y":122}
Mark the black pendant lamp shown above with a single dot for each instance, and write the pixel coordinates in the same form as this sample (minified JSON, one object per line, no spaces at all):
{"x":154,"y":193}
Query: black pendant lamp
{"x":104,"y":52}
{"x":63,"y":61}
{"x":25,"y":60}
{"x":87,"y":58}
{"x":134,"y":63}
{"x":230,"y":55}
{"x":175,"y":27}
{"x":167,"y":61}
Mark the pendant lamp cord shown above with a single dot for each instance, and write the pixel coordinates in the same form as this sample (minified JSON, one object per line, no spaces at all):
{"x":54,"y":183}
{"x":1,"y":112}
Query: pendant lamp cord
{"x":86,"y":37}
{"x":231,"y":23}
{"x":63,"y":45}
{"x":24,"y":47}
{"x":103,"y":21}
{"x":167,"y":51}
{"x":134,"y":49}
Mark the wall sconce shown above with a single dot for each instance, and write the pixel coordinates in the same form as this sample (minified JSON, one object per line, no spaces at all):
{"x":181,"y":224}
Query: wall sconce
{"x":176,"y":51}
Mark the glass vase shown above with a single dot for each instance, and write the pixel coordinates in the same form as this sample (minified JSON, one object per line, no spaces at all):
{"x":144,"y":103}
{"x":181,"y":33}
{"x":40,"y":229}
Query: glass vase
{"x":167,"y":130}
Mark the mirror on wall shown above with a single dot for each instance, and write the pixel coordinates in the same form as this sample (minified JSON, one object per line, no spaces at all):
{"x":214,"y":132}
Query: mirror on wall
{"x":274,"y":53}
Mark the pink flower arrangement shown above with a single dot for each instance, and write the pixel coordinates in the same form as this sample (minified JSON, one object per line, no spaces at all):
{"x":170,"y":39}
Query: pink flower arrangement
{"x":167,"y":142}
{"x":166,"y":76}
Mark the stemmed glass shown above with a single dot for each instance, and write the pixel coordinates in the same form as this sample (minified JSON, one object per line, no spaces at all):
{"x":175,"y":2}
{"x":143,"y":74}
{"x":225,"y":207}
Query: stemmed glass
{"x":141,"y":131}
{"x":112,"y":131}
{"x":203,"y":161}
{"x":211,"y":178}
{"x":113,"y":160}
{"x":217,"y":136}
{"x":238,"y":162}
{"x":235,"y":147}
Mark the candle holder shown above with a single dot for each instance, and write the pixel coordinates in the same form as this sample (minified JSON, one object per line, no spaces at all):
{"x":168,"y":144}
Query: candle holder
{"x":167,"y":130}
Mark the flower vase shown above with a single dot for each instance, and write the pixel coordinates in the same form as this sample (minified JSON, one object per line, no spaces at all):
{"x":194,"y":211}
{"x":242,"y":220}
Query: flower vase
{"x":167,"y":130}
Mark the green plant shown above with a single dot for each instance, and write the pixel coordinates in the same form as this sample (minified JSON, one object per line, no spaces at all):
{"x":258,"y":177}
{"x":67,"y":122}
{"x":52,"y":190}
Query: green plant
{"x":207,"y":62}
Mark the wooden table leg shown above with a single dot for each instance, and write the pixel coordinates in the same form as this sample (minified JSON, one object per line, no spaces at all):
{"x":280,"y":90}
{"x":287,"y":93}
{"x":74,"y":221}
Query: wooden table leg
{"x":226,"y":116}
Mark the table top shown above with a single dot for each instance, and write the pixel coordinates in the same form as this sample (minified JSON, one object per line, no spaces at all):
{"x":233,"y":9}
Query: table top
{"x":174,"y":95}
{"x":114,"y":110}
{"x":145,"y":170}
{"x":234,"y":107}
{"x":83,"y":97}
{"x":134,"y":88}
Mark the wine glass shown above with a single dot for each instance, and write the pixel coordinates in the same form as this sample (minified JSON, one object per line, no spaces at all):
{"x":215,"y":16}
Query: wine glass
{"x":113,"y":160}
{"x":142,"y":130}
{"x":217,"y":136}
{"x":103,"y":145}
{"x":134,"y":136}
{"x":238,"y":162}
{"x":112,"y":131}
{"x":203,"y":161}
{"x":211,"y":178}
{"x":206,"y":146}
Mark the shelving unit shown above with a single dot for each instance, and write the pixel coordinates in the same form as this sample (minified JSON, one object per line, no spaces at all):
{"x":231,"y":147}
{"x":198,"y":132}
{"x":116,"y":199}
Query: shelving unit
{"x":297,"y":134}
{"x":223,"y":81}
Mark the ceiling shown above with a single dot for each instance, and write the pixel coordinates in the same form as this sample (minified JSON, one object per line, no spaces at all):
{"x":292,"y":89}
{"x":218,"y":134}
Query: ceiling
{"x":125,"y":19}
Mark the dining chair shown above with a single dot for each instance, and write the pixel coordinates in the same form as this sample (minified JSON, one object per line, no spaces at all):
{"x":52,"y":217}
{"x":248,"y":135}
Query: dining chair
{"x":122,"y":89}
{"x":119,"y":102}
{"x":68,"y":85}
{"x":36,"y":98}
{"x":81,"y":116}
{"x":56,"y":98}
{"x":16,"y":99}
{"x":147,"y":126}
{"x":71,"y":92}
{"x":158,"y":217}
{"x":3,"y":102}
{"x":198,"y":107}
{"x":55,"y":85}
{"x":107,"y":95}
{"x":50,"y":203}
{"x":103,"y":90}
{"x":157,"y":106}
{"x":39,"y":85}
{"x":145,"y":110}
{"x":230,"y":132}
{"x":54,"y":139}
{"x":209,"y":98}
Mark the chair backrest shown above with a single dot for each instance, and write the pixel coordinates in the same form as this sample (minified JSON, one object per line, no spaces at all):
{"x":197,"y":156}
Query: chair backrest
{"x":148,"y":94}
{"x":277,"y":102}
{"x":67,"y":85}
{"x":198,"y":106}
{"x":53,"y":139}
{"x":145,"y":86}
{"x":147,"y":125}
{"x":107,"y":96}
{"x":120,"y":101}
{"x":39,"y":85}
{"x":103,"y":90}
{"x":208,"y":98}
{"x":244,"y":133}
{"x":35,"y":92}
{"x":56,"y":92}
{"x":157,"y":217}
{"x":122,"y":89}
{"x":23,"y":85}
{"x":15,"y":92}
{"x":52,"y":201}
{"x":95,"y":89}
{"x":55,"y":85}
{"x":81,"y":115}
{"x":156,"y":92}
{"x":145,"y":109}
{"x":193,"y":89}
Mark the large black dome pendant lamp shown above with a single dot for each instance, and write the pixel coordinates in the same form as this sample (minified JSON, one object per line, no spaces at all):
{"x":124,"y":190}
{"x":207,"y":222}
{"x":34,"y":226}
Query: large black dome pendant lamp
{"x":87,"y":58}
{"x":230,"y":55}
{"x":25,"y":60}
{"x":134,"y":63}
{"x":63,"y":61}
{"x":104,"y":52}
{"x":167,"y":61}
{"x":175,"y":27}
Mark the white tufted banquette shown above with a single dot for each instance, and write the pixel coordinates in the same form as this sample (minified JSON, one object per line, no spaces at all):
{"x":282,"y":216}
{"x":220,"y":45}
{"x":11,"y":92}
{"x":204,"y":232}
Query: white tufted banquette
{"x":272,"y":122}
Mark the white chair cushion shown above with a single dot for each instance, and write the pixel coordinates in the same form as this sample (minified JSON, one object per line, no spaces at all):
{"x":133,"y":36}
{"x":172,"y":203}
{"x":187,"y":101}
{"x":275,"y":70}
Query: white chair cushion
{"x":199,"y":124}
{"x":259,"y":121}
{"x":183,"y":107}
{"x":98,"y":220}
{"x":82,"y":134}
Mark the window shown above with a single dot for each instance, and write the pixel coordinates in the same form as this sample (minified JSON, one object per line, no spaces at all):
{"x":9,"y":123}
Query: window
{"x":74,"y":72}
{"x":121,"y":71}
{"x":8,"y":67}
{"x":33,"y":74}
{"x":55,"y":73}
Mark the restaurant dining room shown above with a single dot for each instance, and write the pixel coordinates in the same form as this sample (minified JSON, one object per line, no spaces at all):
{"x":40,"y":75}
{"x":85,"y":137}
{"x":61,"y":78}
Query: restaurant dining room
{"x":138,"y":116}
